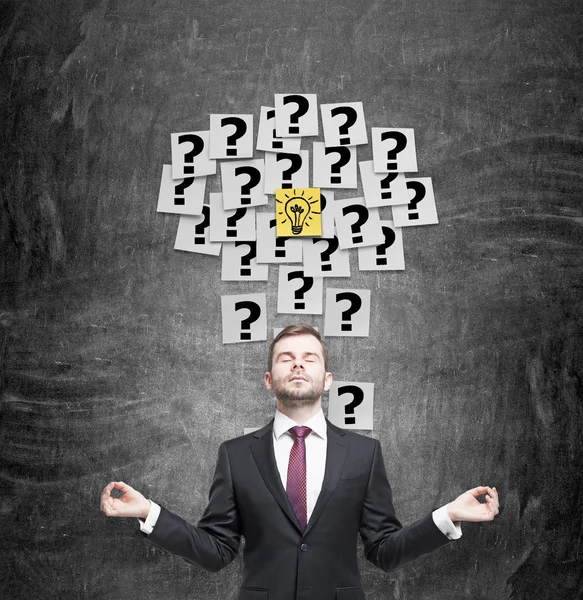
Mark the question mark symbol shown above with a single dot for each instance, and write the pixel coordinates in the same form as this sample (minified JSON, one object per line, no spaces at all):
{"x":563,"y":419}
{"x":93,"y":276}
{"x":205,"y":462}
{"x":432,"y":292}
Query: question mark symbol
{"x":362,"y":218}
{"x":295,"y":166}
{"x":358,"y":398}
{"x":179,"y":190}
{"x":303,"y":106}
{"x":307,"y":284}
{"x":418,"y":195}
{"x":355,"y":305}
{"x":246,"y":258}
{"x":325,"y":255}
{"x":276,"y":144}
{"x":240,"y":130}
{"x":254,"y":314}
{"x":386,"y":185}
{"x":400,"y":144}
{"x":254,"y":179}
{"x":279,"y":242}
{"x":350,"y":114}
{"x":197,"y":147}
{"x":390,"y":238}
{"x":199,"y":229}
{"x":344,"y":159}
{"x":232,"y":221}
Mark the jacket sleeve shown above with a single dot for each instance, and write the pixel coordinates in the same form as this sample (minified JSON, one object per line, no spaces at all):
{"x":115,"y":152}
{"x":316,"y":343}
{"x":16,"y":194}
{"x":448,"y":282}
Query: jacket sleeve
{"x":387,"y":544}
{"x":214,"y":542}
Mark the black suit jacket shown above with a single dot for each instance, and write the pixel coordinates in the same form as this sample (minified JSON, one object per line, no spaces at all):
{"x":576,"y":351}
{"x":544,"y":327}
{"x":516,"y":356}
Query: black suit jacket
{"x":280,"y":561}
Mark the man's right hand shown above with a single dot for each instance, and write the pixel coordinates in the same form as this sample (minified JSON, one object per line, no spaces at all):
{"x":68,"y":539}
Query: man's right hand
{"x":131,"y":504}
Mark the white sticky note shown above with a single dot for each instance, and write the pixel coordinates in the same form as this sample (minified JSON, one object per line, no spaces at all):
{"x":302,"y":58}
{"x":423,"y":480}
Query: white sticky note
{"x":388,"y":256}
{"x":231,"y":136}
{"x":180,"y":196}
{"x":239,"y":263}
{"x":193,"y":234}
{"x":327,"y":208}
{"x":344,"y":124}
{"x":243,"y":183}
{"x":296,"y":115}
{"x":190,"y":154}
{"x":286,"y":171}
{"x":351,"y":404}
{"x":273,"y":249}
{"x":267,"y":139}
{"x":236,"y":225}
{"x":421,"y":209}
{"x":244,"y":318}
{"x":393,"y":150}
{"x":334,"y":167}
{"x":357,"y":225}
{"x":347,"y":312}
{"x":382,"y":189}
{"x":298,"y":293}
{"x":324,"y":258}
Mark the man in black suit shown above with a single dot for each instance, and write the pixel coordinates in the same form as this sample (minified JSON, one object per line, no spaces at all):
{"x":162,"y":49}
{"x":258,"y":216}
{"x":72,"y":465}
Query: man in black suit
{"x":300,"y":490}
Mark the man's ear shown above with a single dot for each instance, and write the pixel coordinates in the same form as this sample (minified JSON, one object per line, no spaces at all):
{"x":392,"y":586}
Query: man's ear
{"x":268,"y":380}
{"x":327,"y":381}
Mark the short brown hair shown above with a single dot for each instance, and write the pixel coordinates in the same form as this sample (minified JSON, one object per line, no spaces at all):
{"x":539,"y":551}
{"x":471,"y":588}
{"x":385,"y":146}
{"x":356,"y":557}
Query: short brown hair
{"x":298,"y":329}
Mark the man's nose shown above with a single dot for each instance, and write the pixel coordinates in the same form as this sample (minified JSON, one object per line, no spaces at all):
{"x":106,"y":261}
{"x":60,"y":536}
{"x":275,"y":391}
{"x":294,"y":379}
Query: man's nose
{"x":298,"y":364}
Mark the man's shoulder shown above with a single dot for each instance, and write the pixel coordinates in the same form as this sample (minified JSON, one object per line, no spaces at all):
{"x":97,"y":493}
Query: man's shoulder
{"x":352,"y":436}
{"x":360,"y":438}
{"x":246,"y":438}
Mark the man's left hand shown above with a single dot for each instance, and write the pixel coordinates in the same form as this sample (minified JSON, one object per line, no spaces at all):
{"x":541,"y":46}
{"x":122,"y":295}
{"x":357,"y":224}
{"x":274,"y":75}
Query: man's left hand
{"x":467,"y":507}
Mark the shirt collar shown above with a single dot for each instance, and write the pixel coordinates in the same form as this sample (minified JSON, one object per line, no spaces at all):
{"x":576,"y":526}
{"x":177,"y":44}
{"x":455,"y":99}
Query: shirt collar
{"x":282,"y":423}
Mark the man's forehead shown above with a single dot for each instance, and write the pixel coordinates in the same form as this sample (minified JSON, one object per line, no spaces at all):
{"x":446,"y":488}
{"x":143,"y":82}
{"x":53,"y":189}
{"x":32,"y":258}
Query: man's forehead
{"x":298,"y":344}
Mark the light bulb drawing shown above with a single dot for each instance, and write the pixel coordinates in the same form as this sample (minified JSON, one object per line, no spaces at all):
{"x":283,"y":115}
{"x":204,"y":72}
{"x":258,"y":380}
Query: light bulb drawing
{"x":299,"y":209}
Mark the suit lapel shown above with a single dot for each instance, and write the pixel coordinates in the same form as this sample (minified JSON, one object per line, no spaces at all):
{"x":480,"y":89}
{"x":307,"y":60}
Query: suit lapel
{"x":336,"y":450}
{"x":262,"y":449}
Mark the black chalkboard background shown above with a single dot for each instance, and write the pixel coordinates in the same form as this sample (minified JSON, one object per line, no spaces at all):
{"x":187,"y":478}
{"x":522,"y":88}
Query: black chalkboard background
{"x":112,"y":364}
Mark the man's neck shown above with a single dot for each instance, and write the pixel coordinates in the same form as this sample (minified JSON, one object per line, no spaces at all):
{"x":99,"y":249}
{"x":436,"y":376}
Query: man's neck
{"x":302,"y":414}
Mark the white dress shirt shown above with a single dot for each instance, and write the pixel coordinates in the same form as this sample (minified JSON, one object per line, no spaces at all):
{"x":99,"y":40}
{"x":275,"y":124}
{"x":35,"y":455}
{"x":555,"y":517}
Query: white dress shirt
{"x":316,"y":447}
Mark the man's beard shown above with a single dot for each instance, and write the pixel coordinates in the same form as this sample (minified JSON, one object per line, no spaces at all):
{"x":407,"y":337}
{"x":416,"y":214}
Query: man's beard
{"x":297,"y":397}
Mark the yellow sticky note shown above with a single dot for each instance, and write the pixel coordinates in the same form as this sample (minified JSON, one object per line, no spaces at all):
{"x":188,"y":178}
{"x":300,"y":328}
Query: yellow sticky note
{"x":298,"y":212}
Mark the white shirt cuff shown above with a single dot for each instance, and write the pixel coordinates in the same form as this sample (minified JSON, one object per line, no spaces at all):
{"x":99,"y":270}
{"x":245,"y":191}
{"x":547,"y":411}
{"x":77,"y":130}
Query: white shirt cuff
{"x":445,"y":524}
{"x":147,"y":526}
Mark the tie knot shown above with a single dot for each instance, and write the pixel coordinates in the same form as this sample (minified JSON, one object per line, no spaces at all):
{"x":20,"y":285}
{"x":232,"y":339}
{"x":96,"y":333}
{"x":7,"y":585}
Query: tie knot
{"x":300,"y":431}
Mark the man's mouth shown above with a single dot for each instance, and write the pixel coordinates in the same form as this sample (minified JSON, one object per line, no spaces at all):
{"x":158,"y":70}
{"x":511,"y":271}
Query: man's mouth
{"x":298,"y":378}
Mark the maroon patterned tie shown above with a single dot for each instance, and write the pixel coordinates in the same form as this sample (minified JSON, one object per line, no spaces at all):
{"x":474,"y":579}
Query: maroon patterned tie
{"x":296,"y":474}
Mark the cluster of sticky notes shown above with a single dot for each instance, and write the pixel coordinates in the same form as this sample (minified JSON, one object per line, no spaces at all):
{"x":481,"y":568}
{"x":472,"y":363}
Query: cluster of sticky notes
{"x":270,"y":211}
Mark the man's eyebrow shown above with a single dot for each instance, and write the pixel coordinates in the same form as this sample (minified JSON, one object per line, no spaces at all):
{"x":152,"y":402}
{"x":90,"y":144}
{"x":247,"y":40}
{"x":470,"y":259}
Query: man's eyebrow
{"x":289,"y":353}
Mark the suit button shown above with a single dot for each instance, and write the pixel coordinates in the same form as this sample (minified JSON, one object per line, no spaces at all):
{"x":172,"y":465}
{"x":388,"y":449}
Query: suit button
{"x":304,"y":547}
